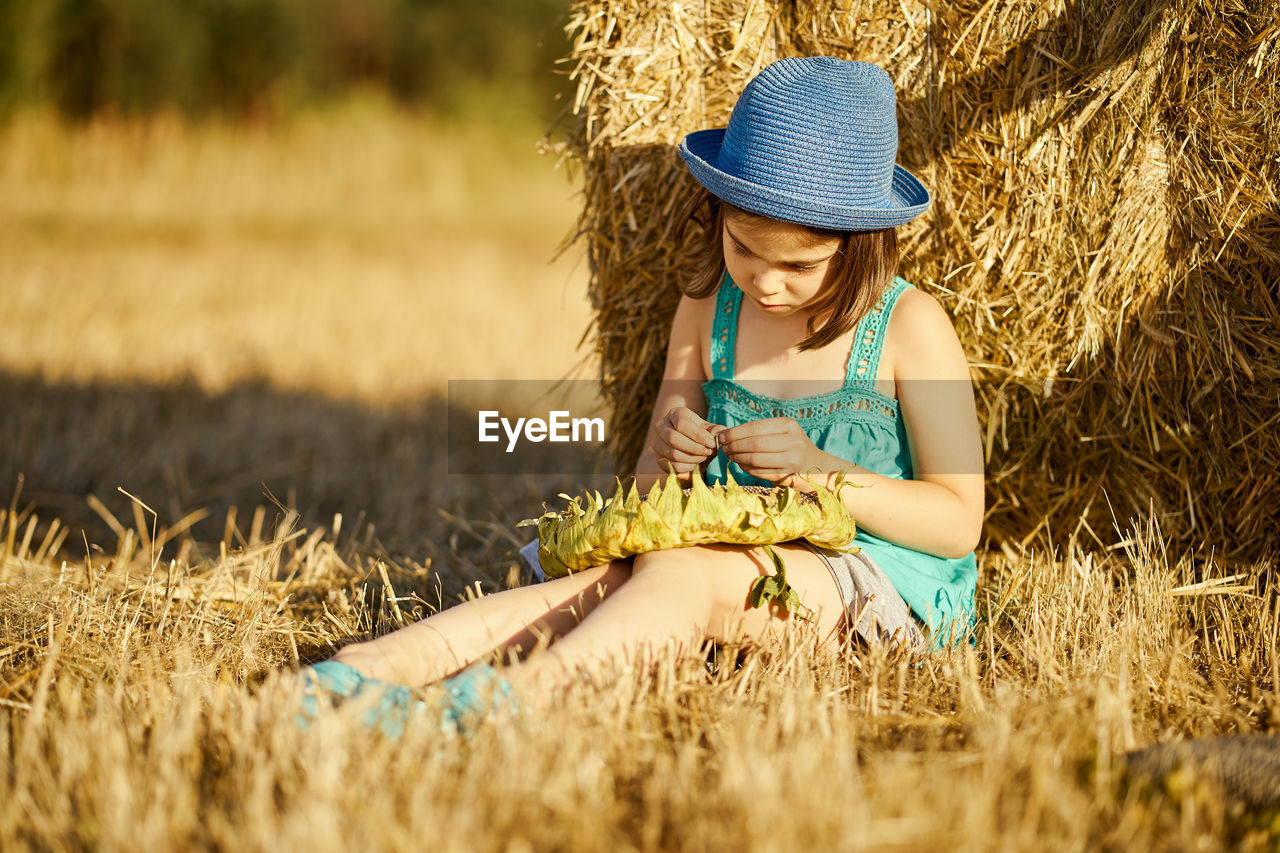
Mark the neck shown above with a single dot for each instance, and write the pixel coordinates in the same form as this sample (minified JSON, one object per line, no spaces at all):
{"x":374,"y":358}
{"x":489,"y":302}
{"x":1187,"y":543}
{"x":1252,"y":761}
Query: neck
{"x":791,"y":329}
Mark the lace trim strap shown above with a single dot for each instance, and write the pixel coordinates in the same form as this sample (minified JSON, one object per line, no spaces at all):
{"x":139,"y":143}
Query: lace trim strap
{"x":724,"y":329}
{"x":849,"y":404}
{"x":868,"y":341}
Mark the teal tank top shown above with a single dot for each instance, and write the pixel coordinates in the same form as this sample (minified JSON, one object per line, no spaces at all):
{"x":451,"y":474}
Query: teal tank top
{"x":857,"y":423}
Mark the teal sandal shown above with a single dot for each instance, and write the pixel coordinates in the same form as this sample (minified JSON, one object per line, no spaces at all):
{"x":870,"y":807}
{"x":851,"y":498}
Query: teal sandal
{"x":474,"y":693}
{"x":469,"y":697}
{"x":334,"y":681}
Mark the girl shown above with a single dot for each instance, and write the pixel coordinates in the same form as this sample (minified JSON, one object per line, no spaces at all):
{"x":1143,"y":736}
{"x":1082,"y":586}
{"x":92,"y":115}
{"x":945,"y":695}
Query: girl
{"x":794,"y":355}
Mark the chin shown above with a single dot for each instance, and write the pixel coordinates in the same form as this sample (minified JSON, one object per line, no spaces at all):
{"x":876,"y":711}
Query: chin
{"x":783,"y":309}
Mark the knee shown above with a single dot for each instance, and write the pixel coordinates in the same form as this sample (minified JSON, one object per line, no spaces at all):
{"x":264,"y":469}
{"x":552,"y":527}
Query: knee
{"x":710,"y":580}
{"x":698,"y":568}
{"x":672,"y":559}
{"x":701,"y":556}
{"x":674,"y":582}
{"x":660,"y":567}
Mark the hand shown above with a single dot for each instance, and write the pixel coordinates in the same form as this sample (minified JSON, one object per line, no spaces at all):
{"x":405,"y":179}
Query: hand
{"x":682,"y":441}
{"x":773,"y":449}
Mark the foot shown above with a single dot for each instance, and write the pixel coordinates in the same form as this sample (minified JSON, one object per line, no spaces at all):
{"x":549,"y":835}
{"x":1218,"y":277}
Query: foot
{"x":331,"y":681}
{"x":472,"y":695}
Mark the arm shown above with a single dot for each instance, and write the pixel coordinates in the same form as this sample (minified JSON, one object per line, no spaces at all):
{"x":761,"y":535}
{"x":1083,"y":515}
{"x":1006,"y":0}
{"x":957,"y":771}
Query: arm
{"x":940,"y":512}
{"x":681,"y":387}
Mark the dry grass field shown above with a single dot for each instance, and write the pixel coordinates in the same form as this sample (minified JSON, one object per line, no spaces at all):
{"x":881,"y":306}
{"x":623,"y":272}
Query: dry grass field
{"x":249,"y":331}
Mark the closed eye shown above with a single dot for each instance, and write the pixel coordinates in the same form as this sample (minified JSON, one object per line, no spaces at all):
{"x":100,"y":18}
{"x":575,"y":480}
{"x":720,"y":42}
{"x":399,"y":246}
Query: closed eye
{"x":739,"y":249}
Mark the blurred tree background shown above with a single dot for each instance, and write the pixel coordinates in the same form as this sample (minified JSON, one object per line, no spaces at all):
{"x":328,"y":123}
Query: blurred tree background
{"x":261,"y":58}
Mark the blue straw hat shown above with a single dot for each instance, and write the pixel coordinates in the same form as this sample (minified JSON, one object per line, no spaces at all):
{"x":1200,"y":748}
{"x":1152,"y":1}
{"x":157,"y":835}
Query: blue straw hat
{"x":811,"y":141}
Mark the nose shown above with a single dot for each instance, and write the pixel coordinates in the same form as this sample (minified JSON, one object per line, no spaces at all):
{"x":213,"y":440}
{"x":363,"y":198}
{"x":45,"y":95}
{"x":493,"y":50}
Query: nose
{"x":770,"y":282}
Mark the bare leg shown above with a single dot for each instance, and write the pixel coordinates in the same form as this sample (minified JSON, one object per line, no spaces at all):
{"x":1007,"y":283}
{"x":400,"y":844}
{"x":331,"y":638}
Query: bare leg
{"x":440,"y":645}
{"x":684,"y":593}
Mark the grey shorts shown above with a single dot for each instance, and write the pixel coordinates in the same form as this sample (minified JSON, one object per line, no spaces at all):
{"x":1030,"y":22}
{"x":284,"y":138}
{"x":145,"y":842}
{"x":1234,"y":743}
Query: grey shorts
{"x":874,"y":611}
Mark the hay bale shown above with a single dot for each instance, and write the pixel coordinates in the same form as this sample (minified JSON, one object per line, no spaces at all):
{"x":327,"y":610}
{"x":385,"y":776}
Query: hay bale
{"x":1107,"y":202}
{"x":1240,"y":769}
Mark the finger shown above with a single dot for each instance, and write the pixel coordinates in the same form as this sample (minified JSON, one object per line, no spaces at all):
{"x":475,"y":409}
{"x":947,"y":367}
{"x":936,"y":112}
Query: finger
{"x":692,"y":427}
{"x":684,"y":458}
{"x":679,"y":441}
{"x":768,"y":426}
{"x":663,"y":451}
{"x":748,"y":444}
{"x":688,"y":423}
{"x":672,"y":444}
{"x":713,"y":435}
{"x":763,"y":444}
{"x":684,"y":413}
{"x":771,"y":461}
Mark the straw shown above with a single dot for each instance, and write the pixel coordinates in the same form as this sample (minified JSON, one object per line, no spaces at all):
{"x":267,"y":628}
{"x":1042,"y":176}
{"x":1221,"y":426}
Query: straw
{"x":1107,"y":208}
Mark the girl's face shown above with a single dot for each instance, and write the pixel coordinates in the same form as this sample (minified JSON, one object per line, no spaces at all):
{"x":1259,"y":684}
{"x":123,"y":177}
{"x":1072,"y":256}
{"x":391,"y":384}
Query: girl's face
{"x":780,"y":266}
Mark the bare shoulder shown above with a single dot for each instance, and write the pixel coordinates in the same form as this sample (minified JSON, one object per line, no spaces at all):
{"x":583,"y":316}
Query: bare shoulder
{"x":922,"y":339}
{"x":694,"y":311}
{"x":687,"y":349}
{"x":691,"y":330}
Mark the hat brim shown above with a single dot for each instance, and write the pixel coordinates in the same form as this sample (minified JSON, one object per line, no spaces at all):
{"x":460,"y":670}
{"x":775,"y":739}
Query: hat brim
{"x":908,"y":198}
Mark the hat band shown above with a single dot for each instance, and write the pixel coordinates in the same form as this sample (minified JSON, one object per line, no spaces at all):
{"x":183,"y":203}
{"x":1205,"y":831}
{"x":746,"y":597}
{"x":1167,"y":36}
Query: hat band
{"x":907,"y":198}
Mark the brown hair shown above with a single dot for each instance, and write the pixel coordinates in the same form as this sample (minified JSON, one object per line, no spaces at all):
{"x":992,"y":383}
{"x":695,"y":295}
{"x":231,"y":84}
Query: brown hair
{"x":867,"y":261}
